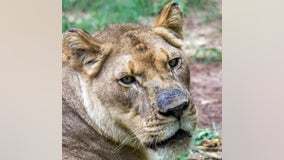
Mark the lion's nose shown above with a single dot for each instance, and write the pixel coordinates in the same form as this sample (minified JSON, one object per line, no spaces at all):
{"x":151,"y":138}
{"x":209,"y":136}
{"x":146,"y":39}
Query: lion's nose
{"x":172,"y":102}
{"x":175,"y":111}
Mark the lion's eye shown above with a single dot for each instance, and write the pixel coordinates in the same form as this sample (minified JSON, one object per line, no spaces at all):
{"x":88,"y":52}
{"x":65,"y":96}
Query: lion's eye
{"x":128,"y":79}
{"x":174,"y":62}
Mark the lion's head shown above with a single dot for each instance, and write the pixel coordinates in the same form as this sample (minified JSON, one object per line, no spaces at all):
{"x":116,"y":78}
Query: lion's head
{"x":135,"y":82}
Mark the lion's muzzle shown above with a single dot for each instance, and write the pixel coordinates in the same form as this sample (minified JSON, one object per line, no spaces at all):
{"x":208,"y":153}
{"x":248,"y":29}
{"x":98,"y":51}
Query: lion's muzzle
{"x":172,"y":102}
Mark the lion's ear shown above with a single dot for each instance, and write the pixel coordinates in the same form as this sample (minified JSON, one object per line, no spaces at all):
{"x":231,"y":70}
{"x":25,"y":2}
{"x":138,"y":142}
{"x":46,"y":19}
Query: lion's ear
{"x":169,"y":23}
{"x":83,"y":52}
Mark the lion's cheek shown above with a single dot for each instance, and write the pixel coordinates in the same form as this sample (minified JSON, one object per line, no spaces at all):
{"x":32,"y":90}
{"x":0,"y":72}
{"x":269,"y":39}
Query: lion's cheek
{"x":189,"y":119}
{"x":126,"y":117}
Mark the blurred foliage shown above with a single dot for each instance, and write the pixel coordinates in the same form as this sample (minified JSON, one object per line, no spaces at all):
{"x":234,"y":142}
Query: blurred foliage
{"x":200,"y":134}
{"x":207,"y":134}
{"x":93,"y":15}
{"x":207,"y":55}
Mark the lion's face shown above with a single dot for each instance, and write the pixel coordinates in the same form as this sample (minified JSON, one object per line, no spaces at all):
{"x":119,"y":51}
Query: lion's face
{"x":146,"y":89}
{"x":141,"y":80}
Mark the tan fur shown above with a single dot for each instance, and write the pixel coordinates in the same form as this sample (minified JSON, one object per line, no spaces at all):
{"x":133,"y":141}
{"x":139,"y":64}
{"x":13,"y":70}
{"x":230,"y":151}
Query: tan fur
{"x":106,"y":119}
{"x":170,"y":17}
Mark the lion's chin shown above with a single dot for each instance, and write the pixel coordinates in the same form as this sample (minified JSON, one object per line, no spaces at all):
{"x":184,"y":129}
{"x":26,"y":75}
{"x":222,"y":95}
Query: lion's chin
{"x":180,"y":136}
{"x":171,"y":150}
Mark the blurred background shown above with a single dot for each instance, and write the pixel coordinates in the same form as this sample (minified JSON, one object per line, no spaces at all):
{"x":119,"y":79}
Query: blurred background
{"x":202,"y":45}
{"x":202,"y":20}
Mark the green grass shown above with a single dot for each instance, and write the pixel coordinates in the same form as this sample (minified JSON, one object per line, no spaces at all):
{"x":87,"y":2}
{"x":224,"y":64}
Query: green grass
{"x":93,"y":15}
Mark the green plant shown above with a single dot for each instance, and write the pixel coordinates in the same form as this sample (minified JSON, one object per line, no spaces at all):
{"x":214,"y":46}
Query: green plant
{"x":207,"y":55}
{"x":200,"y":134}
{"x":207,"y":134}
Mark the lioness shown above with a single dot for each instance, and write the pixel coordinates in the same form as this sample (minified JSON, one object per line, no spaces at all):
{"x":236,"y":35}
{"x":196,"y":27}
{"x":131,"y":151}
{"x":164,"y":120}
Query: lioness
{"x":126,"y":91}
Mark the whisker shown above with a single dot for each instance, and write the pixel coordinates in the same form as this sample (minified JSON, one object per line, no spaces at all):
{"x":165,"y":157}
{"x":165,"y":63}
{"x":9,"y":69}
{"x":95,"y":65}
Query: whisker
{"x":132,"y":135}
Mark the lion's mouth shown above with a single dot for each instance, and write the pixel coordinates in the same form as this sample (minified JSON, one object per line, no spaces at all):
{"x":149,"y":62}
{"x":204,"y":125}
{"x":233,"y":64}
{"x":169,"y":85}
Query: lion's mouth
{"x":179,"y":135}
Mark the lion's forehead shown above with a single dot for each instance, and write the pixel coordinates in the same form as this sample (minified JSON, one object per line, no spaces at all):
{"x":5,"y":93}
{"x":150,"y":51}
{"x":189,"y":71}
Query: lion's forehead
{"x":143,"y":52}
{"x":153,"y":60}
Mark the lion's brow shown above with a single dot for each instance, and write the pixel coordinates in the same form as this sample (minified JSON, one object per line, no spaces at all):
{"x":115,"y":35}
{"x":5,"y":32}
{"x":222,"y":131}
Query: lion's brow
{"x":162,"y":54}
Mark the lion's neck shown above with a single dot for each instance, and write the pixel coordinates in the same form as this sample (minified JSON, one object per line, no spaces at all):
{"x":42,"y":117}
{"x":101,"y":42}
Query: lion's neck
{"x":81,"y":141}
{"x":88,"y":107}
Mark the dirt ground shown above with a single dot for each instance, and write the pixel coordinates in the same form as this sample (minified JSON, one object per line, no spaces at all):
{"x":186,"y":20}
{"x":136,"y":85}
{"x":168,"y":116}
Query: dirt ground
{"x":206,"y":79}
{"x":206,"y":85}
